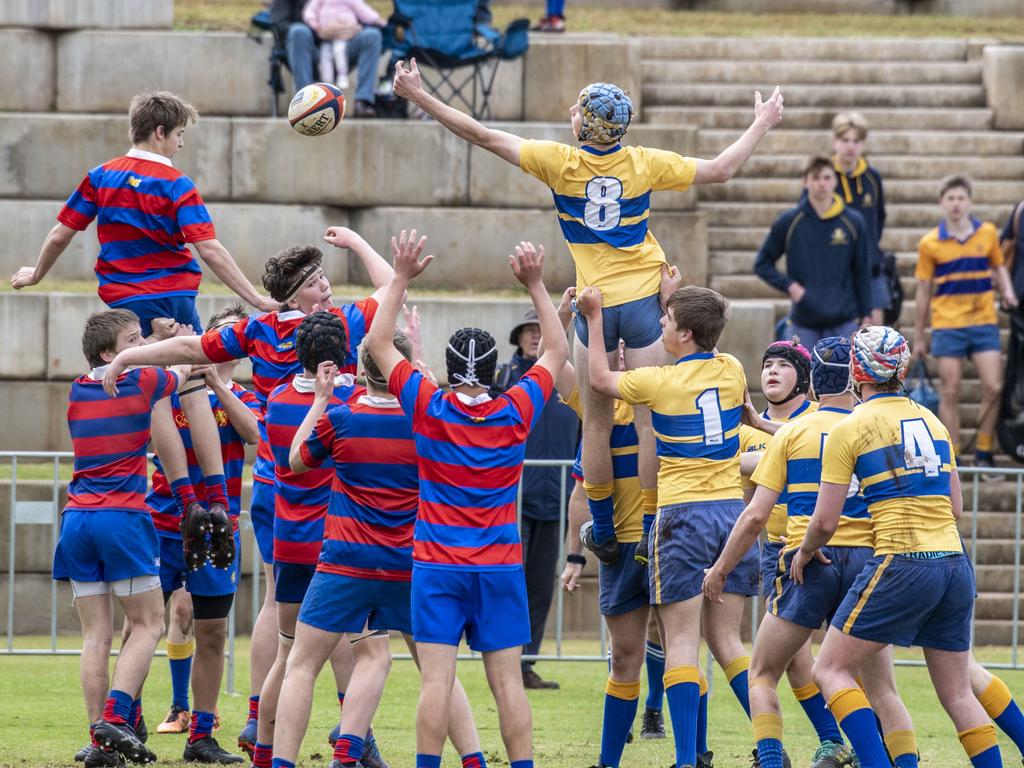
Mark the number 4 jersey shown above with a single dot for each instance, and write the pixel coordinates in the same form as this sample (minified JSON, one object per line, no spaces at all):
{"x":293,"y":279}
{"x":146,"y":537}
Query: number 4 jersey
{"x":696,"y":406}
{"x":901,"y":453}
{"x":603,"y":201}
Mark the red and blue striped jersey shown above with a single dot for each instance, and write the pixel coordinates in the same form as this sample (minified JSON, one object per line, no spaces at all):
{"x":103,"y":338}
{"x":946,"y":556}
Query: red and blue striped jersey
{"x":109,"y":438}
{"x":368,"y":531}
{"x":160,"y":500}
{"x":146,"y":211}
{"x":470,"y":460}
{"x":268,"y":340}
{"x":300,"y":500}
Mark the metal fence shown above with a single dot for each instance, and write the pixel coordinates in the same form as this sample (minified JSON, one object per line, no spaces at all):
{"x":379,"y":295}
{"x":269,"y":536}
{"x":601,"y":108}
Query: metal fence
{"x":47,"y":512}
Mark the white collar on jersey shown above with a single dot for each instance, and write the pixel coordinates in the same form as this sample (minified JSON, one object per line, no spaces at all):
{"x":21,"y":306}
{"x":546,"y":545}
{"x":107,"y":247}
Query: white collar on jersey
{"x":142,"y":154}
{"x":290,"y":314}
{"x":483,"y":397}
{"x":97,"y":373}
{"x":379,"y":402}
{"x":304,"y":385}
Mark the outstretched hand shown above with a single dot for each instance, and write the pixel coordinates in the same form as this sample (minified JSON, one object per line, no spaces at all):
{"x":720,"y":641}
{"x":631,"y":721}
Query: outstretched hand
{"x":115,"y":369}
{"x":589,"y":301}
{"x":768,"y":113}
{"x":407,"y":79}
{"x":323,"y":384}
{"x":405,"y":251}
{"x":528,"y":263}
{"x":340,"y":237}
{"x":671,"y":279}
{"x":24,"y":277}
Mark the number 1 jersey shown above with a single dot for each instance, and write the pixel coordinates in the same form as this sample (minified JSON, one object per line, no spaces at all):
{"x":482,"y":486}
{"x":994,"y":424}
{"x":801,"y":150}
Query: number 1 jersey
{"x":603,"y":200}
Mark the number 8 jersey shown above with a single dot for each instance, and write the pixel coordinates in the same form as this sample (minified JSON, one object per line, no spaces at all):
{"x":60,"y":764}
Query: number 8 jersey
{"x":901,"y":453}
{"x":696,"y":406}
{"x":603,"y":200}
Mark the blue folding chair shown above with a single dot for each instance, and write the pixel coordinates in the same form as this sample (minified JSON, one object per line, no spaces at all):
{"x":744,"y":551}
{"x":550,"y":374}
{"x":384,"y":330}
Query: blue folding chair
{"x":445,"y":36}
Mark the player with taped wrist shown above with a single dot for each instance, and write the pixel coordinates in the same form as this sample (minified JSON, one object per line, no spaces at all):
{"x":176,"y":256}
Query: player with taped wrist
{"x":602,"y":191}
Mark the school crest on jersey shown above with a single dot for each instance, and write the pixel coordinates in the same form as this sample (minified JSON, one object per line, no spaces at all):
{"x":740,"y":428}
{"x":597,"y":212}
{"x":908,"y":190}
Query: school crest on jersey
{"x":868,"y":200}
{"x":221,"y":417}
{"x":839,"y":236}
{"x":180,"y":420}
{"x":284,"y":346}
{"x":133,"y":181}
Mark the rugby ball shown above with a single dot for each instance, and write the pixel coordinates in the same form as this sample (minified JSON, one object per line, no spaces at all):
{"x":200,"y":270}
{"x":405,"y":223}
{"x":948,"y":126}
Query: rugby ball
{"x":316,"y":109}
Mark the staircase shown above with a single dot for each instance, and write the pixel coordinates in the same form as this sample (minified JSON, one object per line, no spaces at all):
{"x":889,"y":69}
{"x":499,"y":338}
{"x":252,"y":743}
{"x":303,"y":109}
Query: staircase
{"x":925,"y":103}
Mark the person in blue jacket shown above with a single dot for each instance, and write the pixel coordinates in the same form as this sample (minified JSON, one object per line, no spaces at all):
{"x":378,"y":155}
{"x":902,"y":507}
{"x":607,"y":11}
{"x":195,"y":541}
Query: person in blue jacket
{"x":828,"y":270}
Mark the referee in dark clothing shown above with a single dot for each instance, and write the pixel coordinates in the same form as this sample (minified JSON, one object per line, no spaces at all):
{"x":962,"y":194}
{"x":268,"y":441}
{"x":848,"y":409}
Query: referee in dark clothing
{"x":544,"y":504}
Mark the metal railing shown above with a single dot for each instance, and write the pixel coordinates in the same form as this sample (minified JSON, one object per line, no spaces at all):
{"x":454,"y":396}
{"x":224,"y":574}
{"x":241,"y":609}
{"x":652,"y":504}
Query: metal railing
{"x":47,"y":512}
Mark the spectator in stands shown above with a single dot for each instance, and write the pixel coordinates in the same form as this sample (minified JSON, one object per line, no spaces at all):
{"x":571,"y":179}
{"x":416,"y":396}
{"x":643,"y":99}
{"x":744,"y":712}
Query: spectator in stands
{"x":1012,"y":245}
{"x":827,"y":270}
{"x":554,"y":18}
{"x":336,"y":23}
{"x":363,"y":50}
{"x":545,"y":498}
{"x":956,"y":262}
{"x":860,"y":186}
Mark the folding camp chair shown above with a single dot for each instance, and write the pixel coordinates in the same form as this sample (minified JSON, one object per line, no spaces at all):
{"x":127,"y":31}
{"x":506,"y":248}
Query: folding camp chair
{"x":463,"y":55}
{"x":278,"y":58}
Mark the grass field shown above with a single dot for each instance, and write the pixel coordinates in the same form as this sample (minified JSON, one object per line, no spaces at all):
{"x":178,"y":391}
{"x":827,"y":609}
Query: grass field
{"x":43,"y":722}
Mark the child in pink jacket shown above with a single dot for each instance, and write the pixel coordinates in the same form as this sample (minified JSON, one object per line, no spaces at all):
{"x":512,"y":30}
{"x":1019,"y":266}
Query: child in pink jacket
{"x":336,"y":22}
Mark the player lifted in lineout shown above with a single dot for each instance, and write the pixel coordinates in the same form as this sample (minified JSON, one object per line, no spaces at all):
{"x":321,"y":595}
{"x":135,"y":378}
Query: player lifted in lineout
{"x":602,"y":196}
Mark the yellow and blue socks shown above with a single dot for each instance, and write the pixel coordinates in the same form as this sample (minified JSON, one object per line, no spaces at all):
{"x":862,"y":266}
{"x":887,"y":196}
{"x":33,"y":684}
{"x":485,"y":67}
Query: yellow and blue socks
{"x":983,"y":447}
{"x":118,"y":708}
{"x":768,"y":737}
{"x":620,"y":703}
{"x":682,"y":689}
{"x":736,"y":674}
{"x":981,"y":746}
{"x":348,"y":749}
{"x":654,"y":660}
{"x":428,"y":761}
{"x":1000,"y":706}
{"x":474,"y":760}
{"x":602,"y":510}
{"x":855,"y":716}
{"x":813,"y":703}
{"x":179,"y":658}
{"x":702,"y":716}
{"x":902,"y":746}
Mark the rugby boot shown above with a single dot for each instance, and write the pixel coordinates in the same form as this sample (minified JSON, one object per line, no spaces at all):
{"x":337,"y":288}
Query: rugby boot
{"x":81,"y":754}
{"x":834,"y":754}
{"x":97,"y":757}
{"x":247,"y":738}
{"x":141,"y":730}
{"x":177,"y":721}
{"x":334,"y":735}
{"x":653,"y":724}
{"x":222,"y":537}
{"x":371,"y":754}
{"x":704,"y":759}
{"x":123,"y":739}
{"x":756,"y":762}
{"x":195,"y":527}
{"x":642,"y":548}
{"x":607,"y":551}
{"x":207,"y":750}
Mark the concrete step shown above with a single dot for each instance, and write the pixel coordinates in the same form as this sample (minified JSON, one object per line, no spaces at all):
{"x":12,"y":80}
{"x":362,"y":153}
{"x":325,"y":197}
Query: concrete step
{"x":787,"y":190}
{"x":892,"y":167}
{"x":800,"y":115}
{"x":959,"y":143}
{"x":836,"y":97}
{"x":823,"y":48}
{"x":823,"y":72}
{"x":996,"y":606}
{"x":991,"y":525}
{"x":921,"y":215}
{"x":740,"y":238}
{"x":996,"y":551}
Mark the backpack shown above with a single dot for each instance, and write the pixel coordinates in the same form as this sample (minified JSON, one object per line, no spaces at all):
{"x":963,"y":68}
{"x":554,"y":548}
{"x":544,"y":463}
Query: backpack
{"x":922,"y":390}
{"x":1010,"y":426}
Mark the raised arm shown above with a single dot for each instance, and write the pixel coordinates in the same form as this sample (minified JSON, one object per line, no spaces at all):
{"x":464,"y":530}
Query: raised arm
{"x":766,"y":115}
{"x":565,"y":381}
{"x":744,"y":533}
{"x":602,"y":378}
{"x":323,"y":388}
{"x":376,"y":266}
{"x":241,"y":416}
{"x":408,"y":85}
{"x":181,"y":350}
{"x":223,"y":265}
{"x":528,"y":266}
{"x":56,"y":242}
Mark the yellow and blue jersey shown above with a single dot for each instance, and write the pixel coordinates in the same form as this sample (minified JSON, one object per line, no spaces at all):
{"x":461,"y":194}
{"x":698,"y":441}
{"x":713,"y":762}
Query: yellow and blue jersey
{"x":603,"y":202}
{"x":696,"y":406}
{"x":792,"y":466}
{"x":777,"y":521}
{"x":628,"y":514}
{"x":751,"y":441}
{"x":961,"y":274}
{"x":903,"y":456}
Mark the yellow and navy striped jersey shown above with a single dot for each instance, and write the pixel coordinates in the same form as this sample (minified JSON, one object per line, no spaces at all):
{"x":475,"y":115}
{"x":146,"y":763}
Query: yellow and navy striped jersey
{"x":902,"y":454}
{"x":751,"y":441}
{"x":777,"y":521}
{"x":792,"y":466}
{"x":628,"y":515}
{"x":696,"y":406}
{"x":961,"y":274}
{"x":603,"y":202}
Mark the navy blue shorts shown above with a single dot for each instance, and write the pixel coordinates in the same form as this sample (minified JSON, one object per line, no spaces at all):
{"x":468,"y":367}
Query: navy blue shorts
{"x":336,"y":603}
{"x":488,"y":606}
{"x":816,"y":601}
{"x":106,"y":546}
{"x":770,"y":552}
{"x":291,"y":581}
{"x":964,"y":342}
{"x":638,"y":323}
{"x":623,"y":586}
{"x":910,"y":601}
{"x":180,"y":308}
{"x":261,"y":513}
{"x":207,"y":581}
{"x":688,"y":538}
